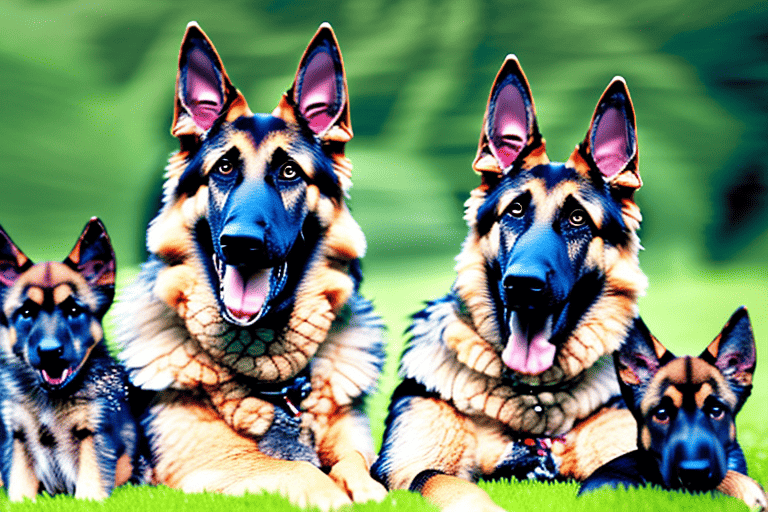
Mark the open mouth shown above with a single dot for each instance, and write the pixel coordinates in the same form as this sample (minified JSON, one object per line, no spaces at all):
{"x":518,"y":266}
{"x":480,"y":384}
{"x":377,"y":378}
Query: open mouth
{"x":56,"y":376}
{"x":246,"y":293}
{"x":529,"y":350}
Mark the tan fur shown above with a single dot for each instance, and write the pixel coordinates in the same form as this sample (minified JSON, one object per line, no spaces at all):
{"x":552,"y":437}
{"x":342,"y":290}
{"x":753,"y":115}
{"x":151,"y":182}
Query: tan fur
{"x":88,"y":479}
{"x":453,"y":494}
{"x":585,"y":449}
{"x":23,"y":481}
{"x":231,"y":465}
{"x":744,"y":488}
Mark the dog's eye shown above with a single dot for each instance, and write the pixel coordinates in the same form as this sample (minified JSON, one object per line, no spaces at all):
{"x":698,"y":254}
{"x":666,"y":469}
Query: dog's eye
{"x":223,"y":166}
{"x":661,"y":415}
{"x":578,"y":217}
{"x":516,"y":209}
{"x":71,"y":309}
{"x":716,"y":412}
{"x":28,"y":310}
{"x":289,"y":171}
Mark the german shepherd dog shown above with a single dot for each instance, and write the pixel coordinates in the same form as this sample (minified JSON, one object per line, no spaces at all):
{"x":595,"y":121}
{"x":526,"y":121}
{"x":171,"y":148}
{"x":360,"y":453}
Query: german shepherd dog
{"x":510,"y":374}
{"x":685,"y":409}
{"x":246,"y":320}
{"x":67,"y":426}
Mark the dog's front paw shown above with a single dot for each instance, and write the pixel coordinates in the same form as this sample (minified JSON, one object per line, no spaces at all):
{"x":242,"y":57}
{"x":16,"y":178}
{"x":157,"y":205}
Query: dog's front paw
{"x":351,"y":474}
{"x":313,"y":488}
{"x":743,"y":487}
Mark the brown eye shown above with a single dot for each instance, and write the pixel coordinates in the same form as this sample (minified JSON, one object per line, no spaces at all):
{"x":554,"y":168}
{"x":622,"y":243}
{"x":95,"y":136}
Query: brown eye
{"x":578,"y":217}
{"x":716,"y":412}
{"x":223,"y":166}
{"x":517,"y":209}
{"x":661,"y":415}
{"x":289,"y":171}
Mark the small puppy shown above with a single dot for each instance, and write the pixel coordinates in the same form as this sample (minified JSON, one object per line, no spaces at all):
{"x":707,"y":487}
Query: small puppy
{"x":66,"y":423}
{"x":685,"y":409}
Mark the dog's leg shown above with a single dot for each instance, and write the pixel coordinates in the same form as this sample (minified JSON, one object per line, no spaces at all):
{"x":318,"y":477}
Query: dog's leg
{"x":432,"y":448}
{"x":89,"y":483}
{"x":600,"y":438}
{"x":454,"y":494}
{"x":743,"y":487}
{"x":23,"y":481}
{"x":340,"y":449}
{"x":196,"y":450}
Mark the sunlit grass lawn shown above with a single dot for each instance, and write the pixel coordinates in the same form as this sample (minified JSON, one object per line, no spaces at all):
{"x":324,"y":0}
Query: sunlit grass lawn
{"x":685,"y":311}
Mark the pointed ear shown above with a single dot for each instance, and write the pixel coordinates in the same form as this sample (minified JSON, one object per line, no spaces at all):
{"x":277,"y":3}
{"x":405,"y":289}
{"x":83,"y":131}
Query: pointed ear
{"x":609,"y":150}
{"x":318,"y":97}
{"x":203,"y":89}
{"x":92,"y":256}
{"x":13,"y":262}
{"x":637,"y":361}
{"x":733,"y":352}
{"x":510,"y":132}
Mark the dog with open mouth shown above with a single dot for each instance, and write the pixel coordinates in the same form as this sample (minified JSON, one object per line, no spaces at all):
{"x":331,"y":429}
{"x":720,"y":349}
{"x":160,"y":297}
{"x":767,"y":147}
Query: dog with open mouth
{"x":67,"y":423}
{"x":246,"y":321}
{"x":510,"y":374}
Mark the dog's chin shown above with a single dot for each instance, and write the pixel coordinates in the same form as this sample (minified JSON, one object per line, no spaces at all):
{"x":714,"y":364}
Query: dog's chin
{"x":529,"y":350}
{"x":245,"y":294}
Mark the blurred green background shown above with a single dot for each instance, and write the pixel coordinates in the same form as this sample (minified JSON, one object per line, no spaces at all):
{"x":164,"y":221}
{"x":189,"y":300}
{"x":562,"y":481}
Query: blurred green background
{"x":86,"y":102}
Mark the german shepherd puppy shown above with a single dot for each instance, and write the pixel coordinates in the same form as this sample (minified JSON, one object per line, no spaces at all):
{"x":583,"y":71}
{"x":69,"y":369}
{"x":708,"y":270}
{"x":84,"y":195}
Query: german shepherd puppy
{"x":685,"y":409}
{"x":246,"y":319}
{"x":66,"y":422}
{"x":510,"y":374}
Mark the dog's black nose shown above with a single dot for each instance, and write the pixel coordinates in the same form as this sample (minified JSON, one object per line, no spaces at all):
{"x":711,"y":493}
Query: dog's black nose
{"x":524,"y":291}
{"x":696,"y":474}
{"x":50,"y":349}
{"x":241,"y":250}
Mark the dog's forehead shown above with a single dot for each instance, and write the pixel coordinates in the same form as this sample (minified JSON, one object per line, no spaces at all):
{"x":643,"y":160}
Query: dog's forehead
{"x":688,"y":377}
{"x":48,"y":279}
{"x":549,"y":186}
{"x":50,"y":275}
{"x":257,"y":137}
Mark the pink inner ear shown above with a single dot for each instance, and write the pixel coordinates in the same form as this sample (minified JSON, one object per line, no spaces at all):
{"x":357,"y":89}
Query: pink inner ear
{"x":202,"y":94}
{"x":8,"y":274}
{"x":611,"y":149}
{"x":509,"y":126}
{"x":318,"y":92}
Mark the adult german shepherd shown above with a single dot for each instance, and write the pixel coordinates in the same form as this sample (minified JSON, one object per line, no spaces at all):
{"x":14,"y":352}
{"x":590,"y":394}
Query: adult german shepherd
{"x":510,"y":374}
{"x":685,"y":409}
{"x":246,"y":320}
{"x":67,"y":425}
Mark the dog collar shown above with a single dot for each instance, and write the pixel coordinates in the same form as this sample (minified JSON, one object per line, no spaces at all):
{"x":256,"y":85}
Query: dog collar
{"x":521,"y":388}
{"x":287,"y":394}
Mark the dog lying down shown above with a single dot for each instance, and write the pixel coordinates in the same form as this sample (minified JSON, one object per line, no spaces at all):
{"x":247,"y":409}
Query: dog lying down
{"x":685,"y":409}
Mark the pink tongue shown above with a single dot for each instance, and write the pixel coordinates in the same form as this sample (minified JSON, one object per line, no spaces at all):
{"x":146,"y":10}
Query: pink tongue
{"x":245,"y":298}
{"x":530,"y":358}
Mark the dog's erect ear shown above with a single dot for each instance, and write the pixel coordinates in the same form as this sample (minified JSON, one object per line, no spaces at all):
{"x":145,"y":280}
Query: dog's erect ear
{"x":318,"y":97}
{"x":93,"y":257}
{"x":203,"y":90}
{"x":609,"y":151}
{"x":13,"y":262}
{"x":510,"y":137}
{"x":733,"y":352}
{"x":637,"y":361}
